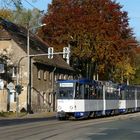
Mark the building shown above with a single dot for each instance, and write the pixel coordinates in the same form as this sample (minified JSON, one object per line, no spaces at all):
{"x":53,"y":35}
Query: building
{"x":37,"y":82}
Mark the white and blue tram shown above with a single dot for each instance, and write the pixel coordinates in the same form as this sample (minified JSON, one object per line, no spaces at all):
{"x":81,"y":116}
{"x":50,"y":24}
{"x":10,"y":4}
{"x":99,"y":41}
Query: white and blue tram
{"x":88,"y":98}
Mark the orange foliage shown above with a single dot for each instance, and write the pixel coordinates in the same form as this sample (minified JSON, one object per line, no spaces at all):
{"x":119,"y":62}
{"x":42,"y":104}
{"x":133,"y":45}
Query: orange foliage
{"x":99,"y":27}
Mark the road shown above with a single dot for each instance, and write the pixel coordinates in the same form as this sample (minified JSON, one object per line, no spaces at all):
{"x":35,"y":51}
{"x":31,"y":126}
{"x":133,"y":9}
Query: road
{"x":122,"y":127}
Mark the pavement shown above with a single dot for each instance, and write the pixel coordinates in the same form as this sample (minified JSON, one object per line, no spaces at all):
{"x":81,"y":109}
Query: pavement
{"x":40,"y":115}
{"x":34,"y":115}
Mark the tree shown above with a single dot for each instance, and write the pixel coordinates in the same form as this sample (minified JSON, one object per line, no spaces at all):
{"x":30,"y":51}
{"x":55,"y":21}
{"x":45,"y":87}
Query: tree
{"x":5,"y":58}
{"x":98,"y":31}
{"x":5,"y":13}
{"x":136,"y":79}
{"x":19,"y":15}
{"x":27,"y":17}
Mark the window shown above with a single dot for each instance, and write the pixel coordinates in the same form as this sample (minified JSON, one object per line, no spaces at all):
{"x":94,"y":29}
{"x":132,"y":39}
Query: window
{"x":61,"y":76}
{"x":50,"y":98}
{"x":65,"y":77}
{"x":39,"y":74}
{"x":55,"y":77}
{"x":50,"y":76}
{"x":44,"y":97}
{"x":14,"y":72}
{"x":45,"y":75}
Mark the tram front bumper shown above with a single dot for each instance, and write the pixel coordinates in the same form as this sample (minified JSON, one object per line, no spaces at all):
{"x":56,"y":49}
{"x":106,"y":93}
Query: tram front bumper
{"x":61,"y":114}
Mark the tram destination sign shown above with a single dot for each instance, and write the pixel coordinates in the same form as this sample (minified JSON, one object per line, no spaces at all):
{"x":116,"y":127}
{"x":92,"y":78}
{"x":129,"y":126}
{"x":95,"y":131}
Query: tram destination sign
{"x":66,"y":84}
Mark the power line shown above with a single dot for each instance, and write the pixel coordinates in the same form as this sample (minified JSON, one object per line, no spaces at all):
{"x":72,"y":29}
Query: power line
{"x":30,"y":4}
{"x":41,"y":11}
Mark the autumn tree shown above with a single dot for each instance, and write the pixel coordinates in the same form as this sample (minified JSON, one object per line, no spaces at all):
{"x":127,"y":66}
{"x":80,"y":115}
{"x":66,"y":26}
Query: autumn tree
{"x":97,"y":30}
{"x":5,"y":13}
{"x":136,"y":79}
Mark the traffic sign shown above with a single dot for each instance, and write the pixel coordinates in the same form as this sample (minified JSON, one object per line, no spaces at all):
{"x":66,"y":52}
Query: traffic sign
{"x":10,"y":86}
{"x":1,"y":84}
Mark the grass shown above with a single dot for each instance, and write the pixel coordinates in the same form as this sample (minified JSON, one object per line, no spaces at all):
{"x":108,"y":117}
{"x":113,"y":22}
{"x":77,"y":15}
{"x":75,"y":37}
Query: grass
{"x":11,"y":114}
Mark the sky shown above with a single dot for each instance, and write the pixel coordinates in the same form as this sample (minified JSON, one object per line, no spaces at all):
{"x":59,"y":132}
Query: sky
{"x":133,"y":9}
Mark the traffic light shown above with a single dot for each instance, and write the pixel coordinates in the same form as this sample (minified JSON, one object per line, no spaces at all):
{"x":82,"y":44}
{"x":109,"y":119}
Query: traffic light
{"x":50,"y":52}
{"x":19,"y":88}
{"x":66,"y":52}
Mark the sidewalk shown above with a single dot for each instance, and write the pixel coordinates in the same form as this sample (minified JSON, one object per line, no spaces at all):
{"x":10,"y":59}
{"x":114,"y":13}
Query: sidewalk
{"x":40,"y":115}
{"x":35,"y":115}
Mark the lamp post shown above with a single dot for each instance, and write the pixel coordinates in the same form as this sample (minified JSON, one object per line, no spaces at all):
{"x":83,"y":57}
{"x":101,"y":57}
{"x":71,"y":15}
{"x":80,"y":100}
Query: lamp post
{"x":17,"y":83}
{"x":29,"y":67}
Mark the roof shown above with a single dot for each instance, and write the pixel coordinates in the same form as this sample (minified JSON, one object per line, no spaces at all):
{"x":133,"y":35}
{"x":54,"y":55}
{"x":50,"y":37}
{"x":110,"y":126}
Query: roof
{"x":4,"y":35}
{"x":37,"y":45}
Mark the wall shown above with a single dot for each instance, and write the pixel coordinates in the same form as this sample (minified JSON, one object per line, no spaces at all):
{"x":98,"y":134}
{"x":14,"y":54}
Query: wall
{"x":3,"y":100}
{"x":15,"y":53}
{"x":41,"y":87}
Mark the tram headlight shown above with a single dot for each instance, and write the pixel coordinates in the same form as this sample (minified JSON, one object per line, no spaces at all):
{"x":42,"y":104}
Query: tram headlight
{"x":59,"y":107}
{"x":71,"y":107}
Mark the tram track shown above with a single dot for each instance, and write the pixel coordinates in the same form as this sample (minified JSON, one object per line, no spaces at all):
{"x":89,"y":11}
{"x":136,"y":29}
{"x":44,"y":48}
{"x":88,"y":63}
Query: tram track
{"x":53,"y":128}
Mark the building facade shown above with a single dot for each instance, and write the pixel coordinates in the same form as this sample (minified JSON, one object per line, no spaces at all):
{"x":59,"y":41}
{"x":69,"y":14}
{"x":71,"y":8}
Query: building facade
{"x":37,"y":81}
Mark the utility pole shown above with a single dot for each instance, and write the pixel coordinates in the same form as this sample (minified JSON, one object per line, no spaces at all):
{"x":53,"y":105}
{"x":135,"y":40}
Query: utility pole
{"x":29,"y":68}
{"x":66,"y":53}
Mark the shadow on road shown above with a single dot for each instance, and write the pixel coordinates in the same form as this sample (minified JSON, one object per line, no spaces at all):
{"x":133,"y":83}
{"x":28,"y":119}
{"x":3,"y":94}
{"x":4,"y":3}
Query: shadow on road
{"x":17,"y":121}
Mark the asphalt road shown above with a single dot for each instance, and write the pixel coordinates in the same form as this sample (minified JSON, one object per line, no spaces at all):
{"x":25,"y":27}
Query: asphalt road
{"x":122,"y":127}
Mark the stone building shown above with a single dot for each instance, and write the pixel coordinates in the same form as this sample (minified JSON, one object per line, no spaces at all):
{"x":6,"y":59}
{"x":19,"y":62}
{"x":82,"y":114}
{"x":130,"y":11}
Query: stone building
{"x":37,"y":80}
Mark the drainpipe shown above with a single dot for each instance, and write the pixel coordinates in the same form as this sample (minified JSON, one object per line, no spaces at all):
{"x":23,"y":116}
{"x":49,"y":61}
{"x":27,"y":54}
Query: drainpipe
{"x":54,"y":101}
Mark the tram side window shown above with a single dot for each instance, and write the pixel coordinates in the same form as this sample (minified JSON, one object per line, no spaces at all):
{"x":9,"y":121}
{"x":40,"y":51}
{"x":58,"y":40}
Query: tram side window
{"x":79,"y":93}
{"x":87,"y":91}
{"x":130,"y":94}
{"x":99,"y":93}
{"x":92,"y":92}
{"x":96,"y":93}
{"x":107,"y":95}
{"x":138,"y":94}
{"x":123,"y":94}
{"x":111,"y":92}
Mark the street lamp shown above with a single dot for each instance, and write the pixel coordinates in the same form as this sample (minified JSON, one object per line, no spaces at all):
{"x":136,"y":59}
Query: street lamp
{"x":50,"y":56}
{"x":17,"y":84}
{"x":29,"y":67}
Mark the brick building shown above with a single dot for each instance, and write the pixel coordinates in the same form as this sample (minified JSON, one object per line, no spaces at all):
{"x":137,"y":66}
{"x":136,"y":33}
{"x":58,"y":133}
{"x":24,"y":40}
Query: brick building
{"x":14,"y":69}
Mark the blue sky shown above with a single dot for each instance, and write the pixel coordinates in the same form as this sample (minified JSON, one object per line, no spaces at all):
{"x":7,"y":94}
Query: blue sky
{"x":40,"y":4}
{"x":133,"y":9}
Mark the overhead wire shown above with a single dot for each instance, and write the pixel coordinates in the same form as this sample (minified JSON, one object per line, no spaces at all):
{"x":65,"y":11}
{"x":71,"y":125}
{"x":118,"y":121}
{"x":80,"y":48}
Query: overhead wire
{"x":41,"y":11}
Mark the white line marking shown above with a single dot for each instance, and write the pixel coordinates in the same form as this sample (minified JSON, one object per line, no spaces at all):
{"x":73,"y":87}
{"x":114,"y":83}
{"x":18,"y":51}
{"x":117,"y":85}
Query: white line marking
{"x":102,"y":134}
{"x":136,"y":131}
{"x":108,"y":128}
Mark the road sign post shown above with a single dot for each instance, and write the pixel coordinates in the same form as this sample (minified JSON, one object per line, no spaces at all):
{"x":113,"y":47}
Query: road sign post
{"x":11,"y":86}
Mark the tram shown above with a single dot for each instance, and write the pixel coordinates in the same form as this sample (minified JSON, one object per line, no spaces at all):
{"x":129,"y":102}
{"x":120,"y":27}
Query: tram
{"x":89,"y":98}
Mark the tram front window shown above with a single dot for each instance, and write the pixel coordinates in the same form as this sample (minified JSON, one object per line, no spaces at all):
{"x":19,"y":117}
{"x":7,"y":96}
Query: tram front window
{"x":65,"y":93}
